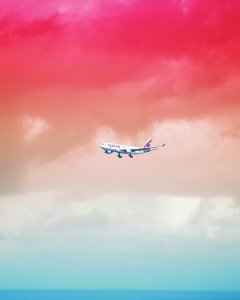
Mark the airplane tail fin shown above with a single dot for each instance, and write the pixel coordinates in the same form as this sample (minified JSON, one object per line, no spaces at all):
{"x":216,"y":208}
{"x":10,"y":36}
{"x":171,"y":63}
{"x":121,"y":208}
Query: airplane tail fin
{"x":148,"y":143}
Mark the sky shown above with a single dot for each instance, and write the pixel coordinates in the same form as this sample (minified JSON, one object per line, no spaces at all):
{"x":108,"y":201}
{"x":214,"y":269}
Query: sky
{"x":75,"y":74}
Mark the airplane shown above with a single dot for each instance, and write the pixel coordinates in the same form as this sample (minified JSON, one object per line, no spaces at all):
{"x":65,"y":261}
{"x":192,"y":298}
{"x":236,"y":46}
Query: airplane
{"x":109,"y":148}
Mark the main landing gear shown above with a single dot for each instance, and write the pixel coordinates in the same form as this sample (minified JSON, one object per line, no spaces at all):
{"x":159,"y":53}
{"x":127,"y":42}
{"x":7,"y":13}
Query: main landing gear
{"x":120,"y":156}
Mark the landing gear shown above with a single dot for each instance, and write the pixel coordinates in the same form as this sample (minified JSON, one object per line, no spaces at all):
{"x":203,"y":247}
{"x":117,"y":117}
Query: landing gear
{"x":119,"y":155}
{"x":130,"y":155}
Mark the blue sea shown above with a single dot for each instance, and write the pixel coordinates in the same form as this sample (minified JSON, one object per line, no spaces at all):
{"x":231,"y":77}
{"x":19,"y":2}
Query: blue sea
{"x":114,"y":295}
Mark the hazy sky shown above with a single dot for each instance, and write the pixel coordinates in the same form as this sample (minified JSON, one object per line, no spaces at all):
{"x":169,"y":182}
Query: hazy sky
{"x":74,"y":74}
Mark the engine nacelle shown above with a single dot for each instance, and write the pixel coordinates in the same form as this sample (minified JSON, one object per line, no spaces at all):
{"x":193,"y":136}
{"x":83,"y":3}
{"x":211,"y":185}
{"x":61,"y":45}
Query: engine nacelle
{"x":108,"y":151}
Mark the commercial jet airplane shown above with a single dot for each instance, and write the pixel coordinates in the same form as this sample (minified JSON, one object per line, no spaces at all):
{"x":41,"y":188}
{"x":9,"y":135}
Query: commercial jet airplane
{"x":109,"y":148}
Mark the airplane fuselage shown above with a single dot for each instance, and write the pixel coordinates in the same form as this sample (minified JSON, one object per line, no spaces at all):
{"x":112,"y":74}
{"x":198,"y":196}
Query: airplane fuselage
{"x":129,"y":150}
{"x":123,"y":149}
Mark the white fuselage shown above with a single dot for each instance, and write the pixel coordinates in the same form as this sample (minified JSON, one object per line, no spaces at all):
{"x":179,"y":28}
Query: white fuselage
{"x":129,"y":150}
{"x":121,"y":149}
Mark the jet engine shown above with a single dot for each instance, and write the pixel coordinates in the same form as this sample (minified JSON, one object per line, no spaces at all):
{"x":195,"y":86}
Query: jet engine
{"x":108,"y":152}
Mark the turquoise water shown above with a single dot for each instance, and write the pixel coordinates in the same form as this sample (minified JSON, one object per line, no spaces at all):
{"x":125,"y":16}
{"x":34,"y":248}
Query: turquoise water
{"x":114,"y":295}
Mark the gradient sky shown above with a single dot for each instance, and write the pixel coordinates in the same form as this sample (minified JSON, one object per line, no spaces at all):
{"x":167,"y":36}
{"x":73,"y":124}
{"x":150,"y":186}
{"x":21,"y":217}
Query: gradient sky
{"x":76,"y":73}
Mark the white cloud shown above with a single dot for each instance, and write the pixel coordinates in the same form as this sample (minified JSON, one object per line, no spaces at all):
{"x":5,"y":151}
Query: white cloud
{"x":46,"y":214}
{"x":33,"y":126}
{"x":177,"y":212}
{"x":24,"y":213}
{"x":220,"y":218}
{"x":223,"y":208}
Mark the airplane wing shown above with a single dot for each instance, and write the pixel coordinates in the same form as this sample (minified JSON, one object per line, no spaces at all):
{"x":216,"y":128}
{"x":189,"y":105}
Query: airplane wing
{"x":146,"y":148}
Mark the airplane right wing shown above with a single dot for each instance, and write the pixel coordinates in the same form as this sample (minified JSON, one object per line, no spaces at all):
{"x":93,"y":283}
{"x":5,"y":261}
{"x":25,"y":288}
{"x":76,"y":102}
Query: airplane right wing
{"x":147,"y":148}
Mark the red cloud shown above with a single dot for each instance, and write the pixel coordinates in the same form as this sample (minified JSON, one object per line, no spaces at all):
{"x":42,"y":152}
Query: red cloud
{"x":122,"y":65}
